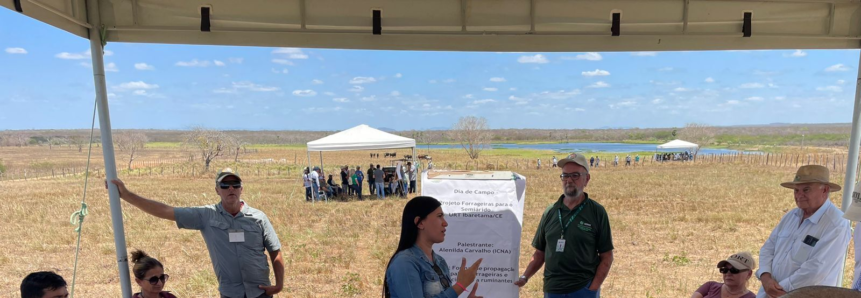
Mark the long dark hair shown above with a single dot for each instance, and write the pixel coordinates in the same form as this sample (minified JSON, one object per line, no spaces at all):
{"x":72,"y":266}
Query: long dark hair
{"x":420,"y":206}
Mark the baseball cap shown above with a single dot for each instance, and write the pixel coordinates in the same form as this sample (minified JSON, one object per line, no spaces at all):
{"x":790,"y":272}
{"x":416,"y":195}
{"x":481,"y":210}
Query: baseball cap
{"x":225,"y":173}
{"x":575,"y":158}
{"x":742,"y":260}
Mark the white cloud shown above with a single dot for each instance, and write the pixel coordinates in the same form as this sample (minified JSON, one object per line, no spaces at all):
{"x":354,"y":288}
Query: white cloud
{"x":111,"y":67}
{"x":732,"y":102}
{"x":193,"y":63}
{"x":317,"y":82}
{"x":751,"y":86}
{"x":468,"y":96}
{"x":219,"y":63}
{"x":512,"y":89}
{"x":395,"y":93}
{"x":135,"y":86}
{"x":681,"y":89}
{"x":709,"y":80}
{"x":483,"y":101}
{"x":254,"y":87}
{"x":236,"y":60}
{"x":292,"y":53}
{"x":357,"y":88}
{"x":841,"y":82}
{"x":432,"y":82}
{"x":579,"y":109}
{"x":796,"y":54}
{"x":837,"y":67}
{"x":490,"y":89}
{"x":398,"y":75}
{"x":657,"y":100}
{"x":497,"y":79}
{"x":644,"y":54}
{"x":327,"y":93}
{"x":590,"y":56}
{"x":362,"y":80}
{"x":538,"y":58}
{"x":369,"y":98}
{"x":755,"y":98}
{"x":71,"y":56}
{"x":304,"y":93}
{"x":599,"y":84}
{"x":224,"y":91}
{"x":340,"y":99}
{"x":830,"y":89}
{"x":282,"y":61}
{"x":140,"y":92}
{"x":561,"y":94}
{"x":779,"y":97}
{"x":16,"y":51}
{"x":144,"y":66}
{"x":665,"y":69}
{"x":595,"y":73}
{"x":623,"y":104}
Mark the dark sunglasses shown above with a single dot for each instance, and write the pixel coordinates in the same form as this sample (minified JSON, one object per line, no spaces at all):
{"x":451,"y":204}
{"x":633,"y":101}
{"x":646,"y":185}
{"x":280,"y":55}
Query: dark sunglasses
{"x":442,"y":280}
{"x":574,"y":176}
{"x":724,"y":270}
{"x":226,"y":185}
{"x":154,"y":280}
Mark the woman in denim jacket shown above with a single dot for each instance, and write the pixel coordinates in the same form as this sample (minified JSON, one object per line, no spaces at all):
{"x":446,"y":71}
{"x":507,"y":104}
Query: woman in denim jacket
{"x":415,"y":271}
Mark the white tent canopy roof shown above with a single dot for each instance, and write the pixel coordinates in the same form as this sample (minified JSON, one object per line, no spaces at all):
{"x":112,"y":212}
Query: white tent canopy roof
{"x":468,"y":25}
{"x":678,"y":144}
{"x":361,"y":137}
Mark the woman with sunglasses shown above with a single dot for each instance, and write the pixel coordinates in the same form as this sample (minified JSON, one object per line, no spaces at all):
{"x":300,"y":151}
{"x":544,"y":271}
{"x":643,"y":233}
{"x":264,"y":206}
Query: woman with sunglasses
{"x":149,"y":274}
{"x":415,"y":270}
{"x":736,"y":271}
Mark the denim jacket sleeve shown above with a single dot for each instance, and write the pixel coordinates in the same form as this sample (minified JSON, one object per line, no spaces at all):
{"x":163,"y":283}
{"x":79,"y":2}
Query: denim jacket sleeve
{"x":405,"y":281}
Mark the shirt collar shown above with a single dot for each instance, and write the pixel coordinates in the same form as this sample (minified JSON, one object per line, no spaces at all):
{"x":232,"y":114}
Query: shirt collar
{"x":559,"y":203}
{"x":418,"y":251}
{"x":819,"y":213}
{"x":242,"y":210}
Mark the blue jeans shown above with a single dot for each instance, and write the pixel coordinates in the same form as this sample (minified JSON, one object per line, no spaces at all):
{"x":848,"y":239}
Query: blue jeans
{"x":315,"y":189}
{"x":308,"y":193}
{"x":381,"y":190}
{"x":581,"y":293}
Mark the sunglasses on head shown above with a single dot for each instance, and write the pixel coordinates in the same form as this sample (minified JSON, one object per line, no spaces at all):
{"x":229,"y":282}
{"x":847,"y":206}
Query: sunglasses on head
{"x":154,"y":280}
{"x":226,"y":185}
{"x":724,"y":270}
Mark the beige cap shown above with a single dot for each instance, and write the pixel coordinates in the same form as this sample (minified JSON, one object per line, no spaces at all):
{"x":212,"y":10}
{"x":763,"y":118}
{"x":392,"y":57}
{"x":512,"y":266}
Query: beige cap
{"x":226,"y":172}
{"x":575,"y":158}
{"x":812,"y":174}
{"x":742,"y":260}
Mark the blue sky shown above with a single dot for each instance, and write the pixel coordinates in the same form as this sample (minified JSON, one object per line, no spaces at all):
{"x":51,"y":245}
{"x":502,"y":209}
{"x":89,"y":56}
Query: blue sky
{"x":47,"y":83}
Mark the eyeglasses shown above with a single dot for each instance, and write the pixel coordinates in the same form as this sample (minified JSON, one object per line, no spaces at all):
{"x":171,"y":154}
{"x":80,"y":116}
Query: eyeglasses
{"x":226,"y":185}
{"x":154,"y":280}
{"x":574,"y":176}
{"x":442,"y":280}
{"x":724,"y":270}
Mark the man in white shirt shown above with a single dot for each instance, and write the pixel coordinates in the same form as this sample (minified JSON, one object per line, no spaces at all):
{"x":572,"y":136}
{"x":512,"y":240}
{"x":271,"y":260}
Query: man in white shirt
{"x":808,"y":245}
{"x":315,"y":183}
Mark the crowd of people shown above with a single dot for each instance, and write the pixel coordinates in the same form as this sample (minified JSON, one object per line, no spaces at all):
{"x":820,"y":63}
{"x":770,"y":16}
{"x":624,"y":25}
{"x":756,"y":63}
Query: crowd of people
{"x":399,"y":180}
{"x":573,"y":243}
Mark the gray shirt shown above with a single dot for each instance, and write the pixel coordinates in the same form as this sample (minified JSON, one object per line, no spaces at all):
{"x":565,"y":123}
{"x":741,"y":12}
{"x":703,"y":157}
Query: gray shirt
{"x":379,"y":176}
{"x":239,"y":266}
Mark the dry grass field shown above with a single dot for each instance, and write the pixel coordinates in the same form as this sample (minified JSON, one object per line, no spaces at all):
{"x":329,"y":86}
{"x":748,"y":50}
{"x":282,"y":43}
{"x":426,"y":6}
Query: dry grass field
{"x":671,"y":223}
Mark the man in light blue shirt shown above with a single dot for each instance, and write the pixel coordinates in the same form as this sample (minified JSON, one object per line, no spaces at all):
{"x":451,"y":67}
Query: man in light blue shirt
{"x":808,"y":245}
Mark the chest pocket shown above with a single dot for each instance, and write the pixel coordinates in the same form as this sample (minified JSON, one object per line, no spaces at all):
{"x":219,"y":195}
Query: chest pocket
{"x":253,"y":235}
{"x":431,"y":285}
{"x":218,"y":225}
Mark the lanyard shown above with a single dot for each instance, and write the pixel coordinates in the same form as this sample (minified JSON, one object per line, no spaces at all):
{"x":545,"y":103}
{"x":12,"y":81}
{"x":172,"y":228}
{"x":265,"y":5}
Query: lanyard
{"x":570,"y":219}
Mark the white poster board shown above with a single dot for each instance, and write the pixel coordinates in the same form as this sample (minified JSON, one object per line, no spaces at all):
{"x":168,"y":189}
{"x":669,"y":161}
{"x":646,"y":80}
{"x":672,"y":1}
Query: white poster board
{"x":484,"y":211}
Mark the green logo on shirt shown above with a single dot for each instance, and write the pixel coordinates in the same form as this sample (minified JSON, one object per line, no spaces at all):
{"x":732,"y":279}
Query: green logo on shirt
{"x":584,"y":226}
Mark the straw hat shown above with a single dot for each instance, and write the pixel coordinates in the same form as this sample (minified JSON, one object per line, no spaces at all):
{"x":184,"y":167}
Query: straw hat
{"x":811,"y":174}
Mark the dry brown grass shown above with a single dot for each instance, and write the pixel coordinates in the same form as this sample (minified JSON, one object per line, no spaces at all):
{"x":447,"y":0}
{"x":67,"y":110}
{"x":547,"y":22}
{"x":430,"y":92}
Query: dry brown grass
{"x":671,"y":224}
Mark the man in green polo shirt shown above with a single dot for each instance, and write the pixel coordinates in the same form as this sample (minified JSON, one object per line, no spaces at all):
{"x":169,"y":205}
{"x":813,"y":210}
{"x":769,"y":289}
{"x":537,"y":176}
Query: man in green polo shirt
{"x":573,"y":238}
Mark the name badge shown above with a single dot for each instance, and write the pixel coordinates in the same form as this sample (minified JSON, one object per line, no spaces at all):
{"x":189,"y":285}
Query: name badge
{"x":236,"y":235}
{"x":560,"y":245}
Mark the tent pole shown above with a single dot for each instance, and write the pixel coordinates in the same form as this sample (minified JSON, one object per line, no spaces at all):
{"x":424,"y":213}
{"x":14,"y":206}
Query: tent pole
{"x":313,"y":195}
{"x":96,"y":49}
{"x":852,"y":161}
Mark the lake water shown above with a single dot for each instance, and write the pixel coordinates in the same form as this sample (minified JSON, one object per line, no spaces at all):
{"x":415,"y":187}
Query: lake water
{"x":587,"y":147}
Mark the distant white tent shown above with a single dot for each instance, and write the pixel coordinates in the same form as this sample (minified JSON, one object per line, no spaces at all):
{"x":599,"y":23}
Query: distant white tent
{"x":678,"y":144}
{"x":361,"y":137}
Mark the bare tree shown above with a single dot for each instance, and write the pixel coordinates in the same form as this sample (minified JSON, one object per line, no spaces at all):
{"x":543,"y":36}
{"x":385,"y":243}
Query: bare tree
{"x":472,"y":134}
{"x":79,"y":142}
{"x":210,"y":143}
{"x":130,"y":144}
{"x":699,"y":133}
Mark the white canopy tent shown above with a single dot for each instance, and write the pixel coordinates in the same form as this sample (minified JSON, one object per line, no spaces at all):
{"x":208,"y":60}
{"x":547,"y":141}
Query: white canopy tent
{"x":452,"y":25}
{"x":361,"y":137}
{"x":678,"y":144}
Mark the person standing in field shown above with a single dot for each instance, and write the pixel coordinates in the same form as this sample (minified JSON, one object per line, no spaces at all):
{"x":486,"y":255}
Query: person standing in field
{"x":412,"y":175}
{"x":306,"y":181}
{"x":539,"y":163}
{"x":44,"y":284}
{"x":808,"y":245}
{"x":357,"y":187}
{"x":597,"y":161}
{"x":573,"y":238}
{"x":360,"y":177}
{"x":637,"y":160}
{"x":554,"y":161}
{"x":372,"y":183}
{"x":345,"y":181}
{"x":736,"y":272}
{"x":628,"y":160}
{"x":315,"y":182}
{"x":616,"y":161}
{"x":380,"y":177}
{"x":591,"y":161}
{"x":236,"y":236}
